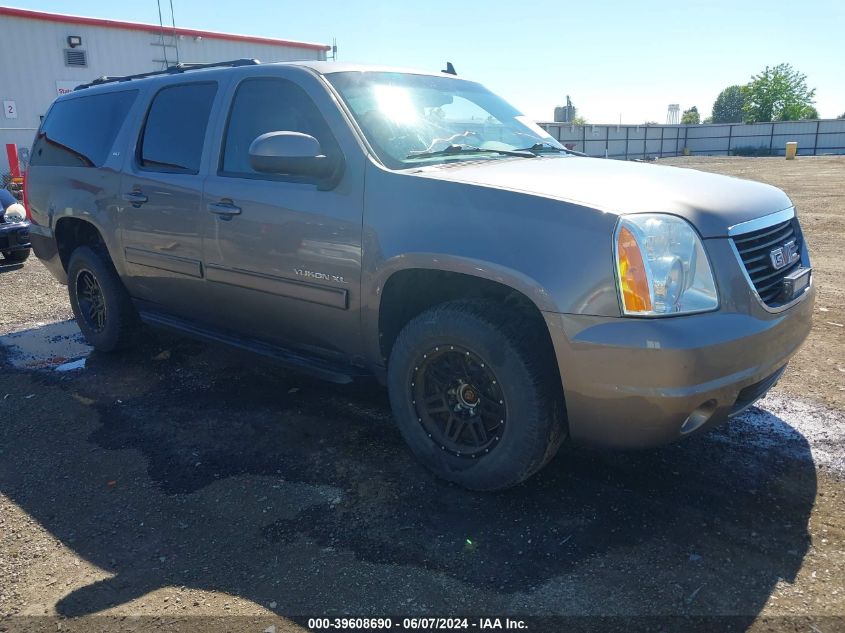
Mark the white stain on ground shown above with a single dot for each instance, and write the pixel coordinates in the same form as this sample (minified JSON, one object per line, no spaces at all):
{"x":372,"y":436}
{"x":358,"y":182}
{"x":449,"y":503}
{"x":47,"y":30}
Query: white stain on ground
{"x":46,"y":346}
{"x":789,"y":426}
{"x":79,"y":363}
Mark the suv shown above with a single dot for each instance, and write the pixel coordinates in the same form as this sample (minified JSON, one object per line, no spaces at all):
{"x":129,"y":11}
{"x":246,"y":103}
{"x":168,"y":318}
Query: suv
{"x":352,"y":220}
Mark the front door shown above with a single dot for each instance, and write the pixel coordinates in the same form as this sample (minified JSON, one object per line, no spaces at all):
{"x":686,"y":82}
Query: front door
{"x":162,"y":195}
{"x":282,"y":255}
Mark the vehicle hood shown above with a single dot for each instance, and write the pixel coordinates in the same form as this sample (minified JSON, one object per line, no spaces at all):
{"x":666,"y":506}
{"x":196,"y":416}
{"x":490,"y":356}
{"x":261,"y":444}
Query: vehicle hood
{"x":711,"y":202}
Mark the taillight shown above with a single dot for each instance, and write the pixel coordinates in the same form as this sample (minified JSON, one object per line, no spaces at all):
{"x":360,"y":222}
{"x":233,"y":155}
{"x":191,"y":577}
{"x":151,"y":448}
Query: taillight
{"x":26,"y":194}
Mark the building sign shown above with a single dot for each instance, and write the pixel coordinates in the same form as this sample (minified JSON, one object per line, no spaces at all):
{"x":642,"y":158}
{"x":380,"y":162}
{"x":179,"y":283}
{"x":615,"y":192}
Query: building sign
{"x":63,"y":86}
{"x":10,"y":109}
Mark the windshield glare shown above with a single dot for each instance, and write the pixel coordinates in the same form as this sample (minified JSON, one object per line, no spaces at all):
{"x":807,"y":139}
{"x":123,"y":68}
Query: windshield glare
{"x":403,"y":115}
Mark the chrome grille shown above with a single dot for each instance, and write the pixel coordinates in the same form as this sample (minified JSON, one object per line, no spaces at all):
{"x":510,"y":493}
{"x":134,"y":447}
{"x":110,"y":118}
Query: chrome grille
{"x":755,"y":250}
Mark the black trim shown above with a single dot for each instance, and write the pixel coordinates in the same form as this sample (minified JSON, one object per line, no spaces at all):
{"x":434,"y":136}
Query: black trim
{"x":295,"y":289}
{"x":750,"y":394}
{"x":170,"y":70}
{"x":317,"y":367}
{"x":160,"y":261}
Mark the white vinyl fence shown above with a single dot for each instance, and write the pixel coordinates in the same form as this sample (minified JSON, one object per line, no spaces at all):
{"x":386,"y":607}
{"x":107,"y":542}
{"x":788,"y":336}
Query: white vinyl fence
{"x":721,"y":139}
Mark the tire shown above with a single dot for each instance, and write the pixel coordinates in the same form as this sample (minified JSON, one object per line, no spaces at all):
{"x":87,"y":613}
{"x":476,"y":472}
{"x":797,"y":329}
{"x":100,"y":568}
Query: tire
{"x":17,"y":257}
{"x":119,"y":324}
{"x":491,"y":353}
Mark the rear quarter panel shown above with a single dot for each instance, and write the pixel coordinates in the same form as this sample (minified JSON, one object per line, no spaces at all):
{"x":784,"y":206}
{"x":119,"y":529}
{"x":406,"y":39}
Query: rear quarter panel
{"x":88,"y":193}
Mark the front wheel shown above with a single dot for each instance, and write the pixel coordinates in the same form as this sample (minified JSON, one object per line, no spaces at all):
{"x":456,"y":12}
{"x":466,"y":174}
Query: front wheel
{"x":475,"y":394}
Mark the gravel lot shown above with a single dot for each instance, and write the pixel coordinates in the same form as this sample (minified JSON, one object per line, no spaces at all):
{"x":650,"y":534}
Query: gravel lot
{"x":179,"y":480}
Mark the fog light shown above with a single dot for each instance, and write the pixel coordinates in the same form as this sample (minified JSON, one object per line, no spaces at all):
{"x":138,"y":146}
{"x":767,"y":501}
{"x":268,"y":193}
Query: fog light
{"x":698,"y":417}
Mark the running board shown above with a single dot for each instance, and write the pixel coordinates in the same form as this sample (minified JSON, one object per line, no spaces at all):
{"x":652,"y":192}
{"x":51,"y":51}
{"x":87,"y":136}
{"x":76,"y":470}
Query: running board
{"x":316,"y":367}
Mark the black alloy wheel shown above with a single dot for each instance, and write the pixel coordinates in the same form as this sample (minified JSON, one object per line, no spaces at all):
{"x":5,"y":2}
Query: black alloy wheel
{"x":92,"y":304}
{"x":102,"y":306}
{"x":476,"y":394}
{"x":459,"y":401}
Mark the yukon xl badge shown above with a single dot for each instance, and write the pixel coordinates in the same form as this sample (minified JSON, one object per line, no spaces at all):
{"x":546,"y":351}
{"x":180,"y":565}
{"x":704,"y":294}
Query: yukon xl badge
{"x":784,"y":255}
{"x":310,"y":274}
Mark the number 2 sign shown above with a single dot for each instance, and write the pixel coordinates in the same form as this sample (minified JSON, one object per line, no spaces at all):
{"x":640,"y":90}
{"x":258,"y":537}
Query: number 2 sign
{"x":10,"y":109}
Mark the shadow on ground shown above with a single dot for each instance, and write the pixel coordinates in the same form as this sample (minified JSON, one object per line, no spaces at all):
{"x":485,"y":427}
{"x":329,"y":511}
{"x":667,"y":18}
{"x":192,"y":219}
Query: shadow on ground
{"x":180,"y":464}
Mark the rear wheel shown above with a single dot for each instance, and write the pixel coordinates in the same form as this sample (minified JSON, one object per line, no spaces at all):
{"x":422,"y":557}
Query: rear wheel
{"x":101,"y":305}
{"x":475,"y":394}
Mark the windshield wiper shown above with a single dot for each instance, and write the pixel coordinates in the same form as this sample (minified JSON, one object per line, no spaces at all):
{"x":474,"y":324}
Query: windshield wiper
{"x":454,"y":150}
{"x":540,"y":148}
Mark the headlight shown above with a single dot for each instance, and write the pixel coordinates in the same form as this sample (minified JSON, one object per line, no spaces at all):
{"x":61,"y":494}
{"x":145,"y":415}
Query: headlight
{"x":661,"y":266}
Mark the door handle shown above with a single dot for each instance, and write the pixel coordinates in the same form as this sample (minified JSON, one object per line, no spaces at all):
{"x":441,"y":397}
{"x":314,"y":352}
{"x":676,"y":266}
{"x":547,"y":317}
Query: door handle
{"x":224,"y":208}
{"x":135,"y":198}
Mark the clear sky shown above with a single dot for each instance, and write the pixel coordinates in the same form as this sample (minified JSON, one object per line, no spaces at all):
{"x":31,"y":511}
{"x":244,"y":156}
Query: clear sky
{"x":612,"y":57}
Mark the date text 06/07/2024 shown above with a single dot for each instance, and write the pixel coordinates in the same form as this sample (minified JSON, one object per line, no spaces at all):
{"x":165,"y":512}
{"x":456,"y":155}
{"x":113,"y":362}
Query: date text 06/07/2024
{"x":416,"y":624}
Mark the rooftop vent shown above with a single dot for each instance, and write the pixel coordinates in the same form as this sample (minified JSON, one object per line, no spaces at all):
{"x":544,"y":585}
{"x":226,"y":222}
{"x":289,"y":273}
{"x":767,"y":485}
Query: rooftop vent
{"x":75,"y":57}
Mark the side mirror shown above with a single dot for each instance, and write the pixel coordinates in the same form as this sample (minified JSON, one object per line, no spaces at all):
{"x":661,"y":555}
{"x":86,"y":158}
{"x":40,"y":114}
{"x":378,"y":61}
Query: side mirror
{"x":290,"y":153}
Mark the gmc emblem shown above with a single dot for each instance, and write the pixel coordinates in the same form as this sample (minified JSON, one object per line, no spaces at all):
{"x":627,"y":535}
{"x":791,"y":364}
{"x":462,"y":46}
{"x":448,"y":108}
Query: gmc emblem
{"x":784,"y":255}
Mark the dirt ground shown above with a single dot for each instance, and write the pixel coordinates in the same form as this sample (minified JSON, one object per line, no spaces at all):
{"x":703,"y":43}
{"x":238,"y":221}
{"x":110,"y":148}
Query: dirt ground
{"x":178,"y":486}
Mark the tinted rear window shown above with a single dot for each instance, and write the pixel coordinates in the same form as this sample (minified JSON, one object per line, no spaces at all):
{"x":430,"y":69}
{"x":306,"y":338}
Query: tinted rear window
{"x":175,"y":128}
{"x":80,"y":132}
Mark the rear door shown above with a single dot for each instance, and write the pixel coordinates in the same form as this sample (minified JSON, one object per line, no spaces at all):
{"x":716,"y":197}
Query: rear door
{"x":161,"y":191}
{"x":282,"y":254}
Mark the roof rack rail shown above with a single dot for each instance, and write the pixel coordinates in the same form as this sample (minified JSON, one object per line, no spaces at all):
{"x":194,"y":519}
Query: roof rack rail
{"x":170,"y":70}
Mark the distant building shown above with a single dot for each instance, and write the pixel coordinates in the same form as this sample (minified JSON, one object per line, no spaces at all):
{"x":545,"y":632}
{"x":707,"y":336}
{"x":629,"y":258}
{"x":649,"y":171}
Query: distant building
{"x":48,"y":54}
{"x":565,"y":114}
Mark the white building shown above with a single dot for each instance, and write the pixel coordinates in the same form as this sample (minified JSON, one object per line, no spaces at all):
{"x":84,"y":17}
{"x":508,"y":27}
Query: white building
{"x":43,"y":55}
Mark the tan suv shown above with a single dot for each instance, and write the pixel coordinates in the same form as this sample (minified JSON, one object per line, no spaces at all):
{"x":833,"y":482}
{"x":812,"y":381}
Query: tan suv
{"x":352,"y":221}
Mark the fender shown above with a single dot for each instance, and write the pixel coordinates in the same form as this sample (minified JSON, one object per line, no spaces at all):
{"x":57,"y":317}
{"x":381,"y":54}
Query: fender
{"x":374,"y":284}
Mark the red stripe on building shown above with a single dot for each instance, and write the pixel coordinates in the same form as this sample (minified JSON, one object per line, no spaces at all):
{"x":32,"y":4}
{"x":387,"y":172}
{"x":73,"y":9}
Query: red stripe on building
{"x":154,"y":28}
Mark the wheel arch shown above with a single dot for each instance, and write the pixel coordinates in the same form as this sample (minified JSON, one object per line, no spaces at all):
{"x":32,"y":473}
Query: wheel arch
{"x":411,"y":284}
{"x":71,"y":232}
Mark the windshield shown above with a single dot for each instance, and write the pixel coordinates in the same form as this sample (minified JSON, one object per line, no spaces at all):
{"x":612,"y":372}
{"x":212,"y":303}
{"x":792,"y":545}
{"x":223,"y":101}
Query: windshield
{"x":412,"y":120}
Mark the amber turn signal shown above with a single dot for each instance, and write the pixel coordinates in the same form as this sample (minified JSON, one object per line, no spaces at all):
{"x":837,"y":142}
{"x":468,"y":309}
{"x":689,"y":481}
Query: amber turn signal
{"x":632,"y":273}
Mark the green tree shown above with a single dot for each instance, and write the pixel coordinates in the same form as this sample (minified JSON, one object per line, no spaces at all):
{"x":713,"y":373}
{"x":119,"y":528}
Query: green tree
{"x":777,"y":94}
{"x":841,"y":116}
{"x":728,"y":105}
{"x":579,"y":120}
{"x":810,"y":112}
{"x":691,"y":116}
{"x":798,"y":113}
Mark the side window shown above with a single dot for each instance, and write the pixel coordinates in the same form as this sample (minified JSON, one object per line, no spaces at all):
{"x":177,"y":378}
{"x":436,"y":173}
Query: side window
{"x":80,"y":132}
{"x":175,"y":128}
{"x":269,"y":105}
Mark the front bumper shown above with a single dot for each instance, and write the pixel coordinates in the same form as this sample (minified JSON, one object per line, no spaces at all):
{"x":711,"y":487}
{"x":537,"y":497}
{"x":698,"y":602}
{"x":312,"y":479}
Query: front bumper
{"x":635,"y":382}
{"x":14,"y":236}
